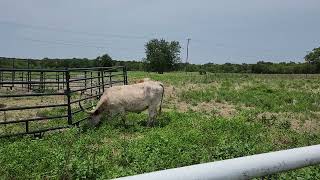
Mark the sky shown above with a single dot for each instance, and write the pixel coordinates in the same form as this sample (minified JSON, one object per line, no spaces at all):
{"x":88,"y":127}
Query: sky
{"x":234,"y":31}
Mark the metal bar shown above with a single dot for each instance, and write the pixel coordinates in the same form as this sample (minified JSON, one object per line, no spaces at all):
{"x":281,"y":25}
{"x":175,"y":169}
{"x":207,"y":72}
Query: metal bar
{"x":99,"y":83}
{"x":30,"y":82}
{"x":124,"y":76}
{"x":102,"y":79}
{"x":27,"y":126}
{"x":32,"y":107}
{"x":110,"y":80}
{"x":28,"y":95}
{"x":68,"y":92}
{"x":1,"y":78}
{"x":32,"y":119}
{"x":29,"y":78}
{"x":241,"y":168}
{"x":63,"y":77}
{"x":85,"y":81}
{"x":95,"y":68}
{"x":80,"y":110}
{"x":83,"y":119}
{"x":91,"y":84}
{"x":34,"y":132}
{"x":13,"y":72}
{"x":82,"y":79}
{"x":57,"y":80}
{"x":90,"y":97}
{"x":30,"y":70}
{"x":41,"y":84}
{"x":22,"y":79}
{"x":77,"y":90}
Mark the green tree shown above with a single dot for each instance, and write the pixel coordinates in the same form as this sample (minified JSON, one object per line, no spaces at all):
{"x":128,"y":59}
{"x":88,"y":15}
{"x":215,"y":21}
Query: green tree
{"x":105,"y":60}
{"x":313,"y":56}
{"x":161,"y":55}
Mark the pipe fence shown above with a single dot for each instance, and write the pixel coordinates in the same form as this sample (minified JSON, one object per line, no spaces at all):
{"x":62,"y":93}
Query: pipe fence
{"x":247,"y":167}
{"x":33,"y":101}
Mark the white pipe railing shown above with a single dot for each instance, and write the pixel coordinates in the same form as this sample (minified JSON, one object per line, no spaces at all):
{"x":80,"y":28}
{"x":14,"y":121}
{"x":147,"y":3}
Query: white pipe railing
{"x":240,"y":168}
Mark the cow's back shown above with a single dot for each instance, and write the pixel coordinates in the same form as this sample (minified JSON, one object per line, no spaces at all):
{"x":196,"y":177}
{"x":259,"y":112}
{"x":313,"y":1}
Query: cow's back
{"x":136,"y":97}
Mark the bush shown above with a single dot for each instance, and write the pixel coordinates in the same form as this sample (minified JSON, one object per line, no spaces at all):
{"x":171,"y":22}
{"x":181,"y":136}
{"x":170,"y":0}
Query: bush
{"x":202,"y":72}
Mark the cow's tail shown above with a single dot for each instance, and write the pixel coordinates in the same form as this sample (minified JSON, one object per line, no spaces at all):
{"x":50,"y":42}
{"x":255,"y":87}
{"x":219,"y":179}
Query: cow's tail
{"x":83,"y":109}
{"x":160,"y":109}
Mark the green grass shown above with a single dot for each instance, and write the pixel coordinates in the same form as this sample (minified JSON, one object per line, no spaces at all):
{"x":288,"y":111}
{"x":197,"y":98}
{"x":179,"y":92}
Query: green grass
{"x":179,"y":138}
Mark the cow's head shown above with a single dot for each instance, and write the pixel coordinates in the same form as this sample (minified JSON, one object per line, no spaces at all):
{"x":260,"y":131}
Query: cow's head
{"x":94,"y":118}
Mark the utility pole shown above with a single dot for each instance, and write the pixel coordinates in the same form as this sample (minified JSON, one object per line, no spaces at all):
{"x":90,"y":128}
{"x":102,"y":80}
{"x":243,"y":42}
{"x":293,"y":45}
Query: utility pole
{"x":187,"y":58}
{"x":188,"y":50}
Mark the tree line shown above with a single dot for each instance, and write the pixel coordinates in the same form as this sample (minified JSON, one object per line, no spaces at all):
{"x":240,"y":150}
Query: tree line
{"x":163,"y":56}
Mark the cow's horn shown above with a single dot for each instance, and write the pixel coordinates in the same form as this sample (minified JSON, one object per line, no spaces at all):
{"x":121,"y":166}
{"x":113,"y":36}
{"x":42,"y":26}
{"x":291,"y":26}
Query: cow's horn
{"x":84,"y":110}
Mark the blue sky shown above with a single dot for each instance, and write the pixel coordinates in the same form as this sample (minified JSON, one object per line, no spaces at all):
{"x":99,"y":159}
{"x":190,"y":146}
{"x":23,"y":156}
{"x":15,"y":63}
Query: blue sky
{"x":233,"y":31}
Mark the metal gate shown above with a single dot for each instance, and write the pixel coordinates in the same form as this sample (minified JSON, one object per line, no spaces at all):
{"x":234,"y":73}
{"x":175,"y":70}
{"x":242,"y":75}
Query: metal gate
{"x":33,"y":101}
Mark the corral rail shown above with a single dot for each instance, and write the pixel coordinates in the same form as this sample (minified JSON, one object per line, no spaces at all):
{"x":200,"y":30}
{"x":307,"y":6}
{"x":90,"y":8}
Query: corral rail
{"x":33,"y":101}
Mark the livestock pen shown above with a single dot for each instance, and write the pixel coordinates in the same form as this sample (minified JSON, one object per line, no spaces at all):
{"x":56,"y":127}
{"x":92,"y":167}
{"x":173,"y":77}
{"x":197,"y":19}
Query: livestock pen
{"x":206,"y":120}
{"x":37,"y":100}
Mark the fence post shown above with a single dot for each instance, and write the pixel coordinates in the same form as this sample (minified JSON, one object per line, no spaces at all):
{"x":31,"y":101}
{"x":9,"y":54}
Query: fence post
{"x":125,"y":77}
{"x":1,"y":78}
{"x":44,"y":80}
{"x":102,"y":79}
{"x":99,"y":84}
{"x":91,"y":84}
{"x":85,"y":81}
{"x":110,"y":79}
{"x":22,"y":74}
{"x":68,"y":93}
{"x":13,"y":73}
{"x":63,"y":80}
{"x":41,"y":85}
{"x":29,"y":76}
{"x":28,"y":80}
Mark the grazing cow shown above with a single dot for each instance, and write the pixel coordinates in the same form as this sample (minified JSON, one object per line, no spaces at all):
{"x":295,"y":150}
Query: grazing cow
{"x":129,"y":98}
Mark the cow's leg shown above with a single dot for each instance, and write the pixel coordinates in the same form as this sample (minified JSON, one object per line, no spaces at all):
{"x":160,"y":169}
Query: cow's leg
{"x":152,"y":114}
{"x":123,"y":117}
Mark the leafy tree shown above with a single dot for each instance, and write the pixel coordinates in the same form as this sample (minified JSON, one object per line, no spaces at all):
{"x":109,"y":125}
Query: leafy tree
{"x":313,"y":56}
{"x":105,"y":61}
{"x":161,"y":55}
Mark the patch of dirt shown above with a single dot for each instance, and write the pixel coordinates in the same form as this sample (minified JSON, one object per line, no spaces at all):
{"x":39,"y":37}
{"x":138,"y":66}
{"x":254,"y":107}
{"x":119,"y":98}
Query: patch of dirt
{"x":308,"y":126}
{"x":182,"y":106}
{"x":225,"y":110}
{"x":200,"y":86}
{"x":221,"y":109}
{"x":130,"y":136}
{"x":27,"y":101}
{"x":170,"y":92}
{"x":299,"y":122}
{"x":172,"y":101}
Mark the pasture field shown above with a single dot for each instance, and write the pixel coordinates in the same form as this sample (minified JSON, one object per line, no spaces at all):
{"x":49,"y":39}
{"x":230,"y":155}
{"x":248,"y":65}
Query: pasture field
{"x":205,"y":118}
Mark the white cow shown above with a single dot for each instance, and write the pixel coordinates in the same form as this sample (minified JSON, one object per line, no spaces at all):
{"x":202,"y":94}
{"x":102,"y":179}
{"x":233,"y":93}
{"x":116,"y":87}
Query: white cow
{"x":129,"y":98}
